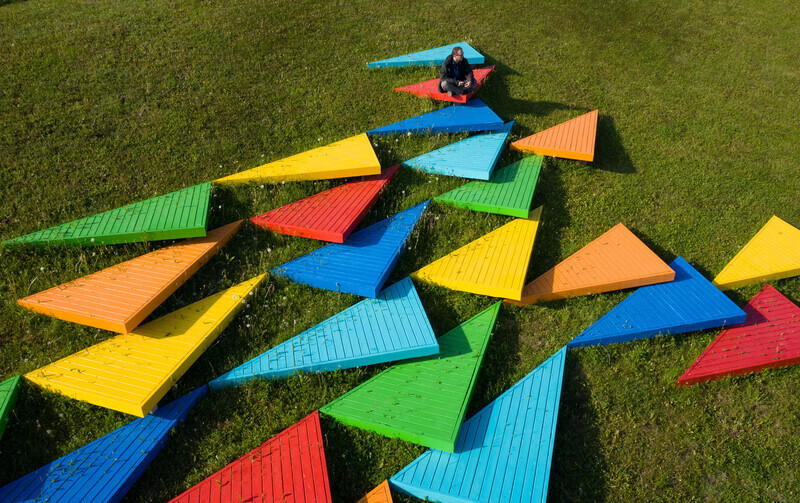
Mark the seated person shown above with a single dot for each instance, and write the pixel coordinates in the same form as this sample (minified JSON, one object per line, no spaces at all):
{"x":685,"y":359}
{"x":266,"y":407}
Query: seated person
{"x":456,"y":74}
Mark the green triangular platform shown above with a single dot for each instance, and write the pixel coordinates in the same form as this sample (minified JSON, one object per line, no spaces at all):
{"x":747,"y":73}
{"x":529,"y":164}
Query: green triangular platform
{"x":8,"y":396}
{"x":423,"y":400}
{"x":509,"y":191}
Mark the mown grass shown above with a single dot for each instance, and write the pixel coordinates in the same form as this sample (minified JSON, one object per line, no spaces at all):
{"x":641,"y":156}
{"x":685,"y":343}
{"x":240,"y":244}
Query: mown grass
{"x":104,"y":103}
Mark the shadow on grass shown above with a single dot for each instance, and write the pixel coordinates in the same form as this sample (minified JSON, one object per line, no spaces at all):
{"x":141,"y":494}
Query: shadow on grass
{"x":9,"y":2}
{"x":552,"y":194}
{"x":610,"y":154}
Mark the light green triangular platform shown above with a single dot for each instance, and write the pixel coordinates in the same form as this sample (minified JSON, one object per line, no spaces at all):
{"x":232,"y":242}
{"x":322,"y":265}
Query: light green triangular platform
{"x":8,"y":397}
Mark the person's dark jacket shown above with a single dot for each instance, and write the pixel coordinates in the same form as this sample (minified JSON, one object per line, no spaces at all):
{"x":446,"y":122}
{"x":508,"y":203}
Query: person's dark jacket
{"x":456,"y":71}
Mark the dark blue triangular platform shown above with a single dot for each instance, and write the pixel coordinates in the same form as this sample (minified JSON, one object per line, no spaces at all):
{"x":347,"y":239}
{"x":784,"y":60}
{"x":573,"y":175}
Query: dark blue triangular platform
{"x":471,"y":116}
{"x":391,"y":327}
{"x":688,"y":303}
{"x":362,"y":263}
{"x":473,"y":157}
{"x":503,"y":453}
{"x":106,"y":469}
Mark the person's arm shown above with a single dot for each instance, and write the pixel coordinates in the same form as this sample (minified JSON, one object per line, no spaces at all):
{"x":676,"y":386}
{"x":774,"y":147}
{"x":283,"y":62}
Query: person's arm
{"x":443,"y":70}
{"x":469,"y":77}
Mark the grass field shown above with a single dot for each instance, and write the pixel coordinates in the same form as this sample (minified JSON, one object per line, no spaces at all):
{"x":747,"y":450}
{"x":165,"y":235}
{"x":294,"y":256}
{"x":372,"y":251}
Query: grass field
{"x":104,"y":103}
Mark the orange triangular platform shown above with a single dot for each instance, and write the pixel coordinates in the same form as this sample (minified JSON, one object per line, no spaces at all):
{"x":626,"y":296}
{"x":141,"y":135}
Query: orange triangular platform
{"x":614,"y":261}
{"x":430,"y":88}
{"x":120,"y":297}
{"x":573,"y":139}
{"x":380,"y":494}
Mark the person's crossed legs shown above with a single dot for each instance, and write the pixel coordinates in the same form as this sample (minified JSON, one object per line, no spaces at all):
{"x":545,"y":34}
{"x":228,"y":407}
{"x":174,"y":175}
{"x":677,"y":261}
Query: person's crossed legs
{"x":453,"y":87}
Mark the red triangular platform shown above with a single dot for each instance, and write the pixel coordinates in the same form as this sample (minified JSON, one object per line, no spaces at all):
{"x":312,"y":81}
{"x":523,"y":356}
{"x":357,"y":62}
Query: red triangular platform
{"x":289,"y":467}
{"x":769,"y":338}
{"x":331,"y":215}
{"x":430,"y":88}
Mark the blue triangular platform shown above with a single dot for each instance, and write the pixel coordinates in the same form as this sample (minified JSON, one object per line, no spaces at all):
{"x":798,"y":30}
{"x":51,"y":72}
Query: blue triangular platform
{"x":362,"y":263}
{"x":503,"y":453}
{"x":391,"y":327}
{"x":106,"y":469}
{"x":688,"y":303}
{"x":430,"y":57}
{"x":473,"y":157}
{"x":471,"y":116}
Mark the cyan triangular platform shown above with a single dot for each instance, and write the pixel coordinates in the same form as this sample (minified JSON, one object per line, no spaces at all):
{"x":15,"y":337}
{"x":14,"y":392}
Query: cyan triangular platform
{"x":509,"y":190}
{"x":473,"y":157}
{"x":8,"y":397}
{"x":503,"y":453}
{"x":688,"y":303}
{"x":472,"y":116}
{"x":106,"y":469}
{"x":362,"y":263}
{"x":430,"y":57}
{"x":391,"y":327}
{"x":177,"y":215}
{"x":423,"y":400}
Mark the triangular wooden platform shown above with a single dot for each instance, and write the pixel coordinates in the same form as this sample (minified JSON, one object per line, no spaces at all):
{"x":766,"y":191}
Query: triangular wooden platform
{"x":472,"y":116}
{"x":118,"y":298}
{"x":503,"y":453}
{"x":391,"y":327}
{"x":509,"y":190}
{"x":177,"y":215}
{"x":8,"y":397}
{"x":381,"y":494}
{"x":430,"y":88}
{"x":288,"y":468}
{"x":769,"y":338}
{"x":362,"y":263}
{"x":106,"y":469}
{"x":422,"y":400}
{"x":773,"y":253}
{"x":473,"y":157}
{"x":430,"y":57}
{"x":352,"y":156}
{"x":328,"y":216}
{"x":493,"y":265}
{"x":688,"y":303}
{"x":132,"y":372}
{"x":614,"y":261}
{"x":573,"y":139}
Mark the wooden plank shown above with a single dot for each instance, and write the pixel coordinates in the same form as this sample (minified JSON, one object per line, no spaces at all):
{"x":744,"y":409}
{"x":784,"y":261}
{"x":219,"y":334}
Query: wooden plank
{"x":8,"y":397}
{"x":381,"y":494}
{"x":430,"y":57}
{"x":430,"y":88}
{"x":472,"y":116}
{"x":120,"y":297}
{"x":573,"y":139}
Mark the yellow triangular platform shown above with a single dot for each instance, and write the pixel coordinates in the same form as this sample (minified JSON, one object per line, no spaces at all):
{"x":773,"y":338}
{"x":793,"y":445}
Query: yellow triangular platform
{"x":773,"y":253}
{"x":349,"y":157}
{"x":494,"y":265}
{"x":132,"y":372}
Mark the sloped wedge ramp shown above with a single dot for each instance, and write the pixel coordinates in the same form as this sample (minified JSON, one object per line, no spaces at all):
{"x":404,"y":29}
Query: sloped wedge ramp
{"x":614,"y":261}
{"x":573,"y":139}
{"x":130,"y":373}
{"x":362,"y":263}
{"x":769,"y":338}
{"x":430,"y":88}
{"x":472,"y":116}
{"x":352,"y":156}
{"x":106,"y":469}
{"x":381,"y":494}
{"x":423,"y":400}
{"x":391,"y":327}
{"x":473,"y":157}
{"x":288,"y":468}
{"x":509,"y":190}
{"x":8,"y":397}
{"x":430,"y":57}
{"x":773,"y":253}
{"x":493,"y":265}
{"x":503,"y":453}
{"x":118,"y":298}
{"x":177,"y":215}
{"x":328,"y":216}
{"x":688,"y":303}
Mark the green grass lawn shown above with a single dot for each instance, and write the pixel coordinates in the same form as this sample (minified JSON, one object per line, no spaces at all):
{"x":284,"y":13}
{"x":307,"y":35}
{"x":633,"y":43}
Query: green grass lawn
{"x":106,"y":103}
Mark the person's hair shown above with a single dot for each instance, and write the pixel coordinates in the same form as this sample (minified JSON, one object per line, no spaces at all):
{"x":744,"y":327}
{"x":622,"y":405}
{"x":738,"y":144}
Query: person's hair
{"x":455,"y":50}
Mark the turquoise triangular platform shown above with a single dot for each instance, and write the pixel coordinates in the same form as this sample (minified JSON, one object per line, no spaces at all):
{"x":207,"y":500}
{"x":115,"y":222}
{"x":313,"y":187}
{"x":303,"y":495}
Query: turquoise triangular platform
{"x":471,"y":116}
{"x":106,"y":469}
{"x":473,"y":157}
{"x":391,"y":327}
{"x":430,"y":57}
{"x":688,"y":303}
{"x":503,"y":453}
{"x":362,"y":263}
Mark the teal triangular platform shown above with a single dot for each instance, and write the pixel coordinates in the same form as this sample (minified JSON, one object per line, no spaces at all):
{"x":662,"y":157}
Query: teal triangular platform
{"x":471,"y":116}
{"x":473,"y":157}
{"x":430,"y":57}
{"x":362,"y":263}
{"x":503,"y":453}
{"x":391,"y":327}
{"x":688,"y":303}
